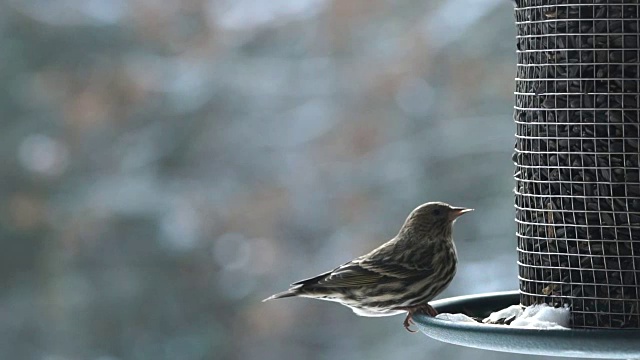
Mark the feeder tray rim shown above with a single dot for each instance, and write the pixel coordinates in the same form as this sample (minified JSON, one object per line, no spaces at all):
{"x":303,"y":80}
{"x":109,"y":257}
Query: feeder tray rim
{"x":585,"y":343}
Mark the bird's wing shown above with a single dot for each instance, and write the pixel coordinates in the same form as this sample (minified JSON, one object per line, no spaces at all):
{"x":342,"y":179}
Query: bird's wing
{"x":395,"y":270}
{"x":364,"y":272}
{"x":349,"y":274}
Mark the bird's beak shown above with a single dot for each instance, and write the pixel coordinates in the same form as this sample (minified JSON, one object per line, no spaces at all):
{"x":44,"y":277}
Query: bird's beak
{"x":457,"y":211}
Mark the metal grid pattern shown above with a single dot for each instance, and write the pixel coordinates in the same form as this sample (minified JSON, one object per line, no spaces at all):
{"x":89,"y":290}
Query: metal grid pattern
{"x":577,"y":158}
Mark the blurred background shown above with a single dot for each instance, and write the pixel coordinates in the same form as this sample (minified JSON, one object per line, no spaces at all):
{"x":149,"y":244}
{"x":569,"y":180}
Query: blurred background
{"x":166,"y":165}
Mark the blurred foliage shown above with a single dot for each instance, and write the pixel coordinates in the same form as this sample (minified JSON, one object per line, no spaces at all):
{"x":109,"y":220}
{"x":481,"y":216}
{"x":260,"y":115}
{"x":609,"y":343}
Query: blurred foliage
{"x":166,"y":165}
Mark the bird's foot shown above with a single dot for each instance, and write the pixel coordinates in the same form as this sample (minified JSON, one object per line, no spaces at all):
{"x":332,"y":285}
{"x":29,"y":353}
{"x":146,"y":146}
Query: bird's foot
{"x":424,"y":308}
{"x":408,"y":321}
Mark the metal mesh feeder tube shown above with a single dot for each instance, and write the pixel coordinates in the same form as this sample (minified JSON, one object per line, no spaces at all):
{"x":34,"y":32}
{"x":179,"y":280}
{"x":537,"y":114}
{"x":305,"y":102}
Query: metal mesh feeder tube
{"x":577,"y":192}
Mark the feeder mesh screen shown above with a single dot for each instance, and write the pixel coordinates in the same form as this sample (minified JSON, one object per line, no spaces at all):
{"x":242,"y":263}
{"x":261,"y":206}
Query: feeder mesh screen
{"x":577,"y":170}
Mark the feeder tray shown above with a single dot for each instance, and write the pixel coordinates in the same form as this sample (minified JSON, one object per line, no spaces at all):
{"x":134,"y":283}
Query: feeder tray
{"x":584,"y":343}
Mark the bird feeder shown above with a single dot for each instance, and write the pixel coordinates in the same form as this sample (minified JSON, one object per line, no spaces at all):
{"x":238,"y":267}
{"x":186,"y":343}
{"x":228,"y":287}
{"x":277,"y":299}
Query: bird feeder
{"x":577,"y":157}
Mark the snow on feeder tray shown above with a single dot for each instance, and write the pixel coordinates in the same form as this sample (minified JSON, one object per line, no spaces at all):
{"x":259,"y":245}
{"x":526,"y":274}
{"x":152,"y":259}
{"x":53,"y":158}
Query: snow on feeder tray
{"x":577,"y":194}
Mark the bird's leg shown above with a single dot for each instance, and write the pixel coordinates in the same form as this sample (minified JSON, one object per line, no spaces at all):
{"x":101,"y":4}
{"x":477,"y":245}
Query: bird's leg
{"x":429,"y":310}
{"x":424,"y":308}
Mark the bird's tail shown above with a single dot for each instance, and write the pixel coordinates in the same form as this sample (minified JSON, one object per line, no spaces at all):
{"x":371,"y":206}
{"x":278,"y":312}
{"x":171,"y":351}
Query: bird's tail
{"x":284,"y":294}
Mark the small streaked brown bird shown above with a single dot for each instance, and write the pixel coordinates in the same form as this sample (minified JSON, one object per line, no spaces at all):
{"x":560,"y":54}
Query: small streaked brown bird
{"x":402,"y":275}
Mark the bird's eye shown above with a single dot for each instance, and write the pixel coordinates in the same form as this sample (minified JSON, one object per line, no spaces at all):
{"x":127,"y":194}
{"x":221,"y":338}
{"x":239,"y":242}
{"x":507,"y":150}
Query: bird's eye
{"x":437,"y":212}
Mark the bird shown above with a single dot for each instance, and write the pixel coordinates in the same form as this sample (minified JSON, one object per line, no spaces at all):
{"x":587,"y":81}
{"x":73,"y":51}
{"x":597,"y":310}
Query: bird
{"x":401,"y":275}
